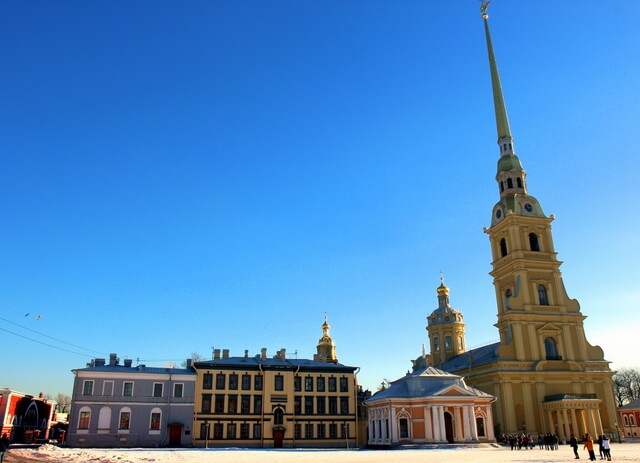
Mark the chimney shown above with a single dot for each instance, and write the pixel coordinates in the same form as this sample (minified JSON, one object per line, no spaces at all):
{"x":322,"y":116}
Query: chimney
{"x":189,"y":363}
{"x":113,"y":360}
{"x":246,"y":353}
{"x":127,"y":363}
{"x":283,"y":354}
{"x":225,"y":353}
{"x":263,"y":353}
{"x":216,"y":354}
{"x":99,"y":362}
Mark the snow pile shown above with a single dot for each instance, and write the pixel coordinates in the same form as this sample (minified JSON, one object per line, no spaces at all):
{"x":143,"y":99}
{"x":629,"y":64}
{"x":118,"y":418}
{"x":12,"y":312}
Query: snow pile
{"x":626,"y":452}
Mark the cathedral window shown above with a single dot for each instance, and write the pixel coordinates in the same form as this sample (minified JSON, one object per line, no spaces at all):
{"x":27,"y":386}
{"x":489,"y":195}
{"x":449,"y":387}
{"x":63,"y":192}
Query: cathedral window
{"x":542,"y":295}
{"x":550,"y":349}
{"x":278,"y":416}
{"x":509,"y":183}
{"x":519,"y":182}
{"x":534,"y":244}
{"x":503,"y":247}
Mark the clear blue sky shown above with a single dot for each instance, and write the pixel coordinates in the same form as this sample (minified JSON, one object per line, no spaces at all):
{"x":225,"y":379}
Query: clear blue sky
{"x":181,"y":175}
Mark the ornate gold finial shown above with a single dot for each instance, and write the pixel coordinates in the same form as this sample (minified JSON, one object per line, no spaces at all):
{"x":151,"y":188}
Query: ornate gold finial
{"x":441,"y":277}
{"x":484,"y":4}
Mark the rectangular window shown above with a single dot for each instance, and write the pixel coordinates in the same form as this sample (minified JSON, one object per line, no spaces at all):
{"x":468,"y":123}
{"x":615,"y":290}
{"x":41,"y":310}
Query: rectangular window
{"x":257,"y":404}
{"x":404,"y":428}
{"x":321,"y":405}
{"x":333,"y":405}
{"x":333,"y":431}
{"x":297,"y":384}
{"x":246,"y":382}
{"x":207,"y":381}
{"x":221,"y":380}
{"x":219,"y":403}
{"x":278,"y":384}
{"x":308,"y":431}
{"x":257,"y":382}
{"x":320,"y":431}
{"x":206,"y":403}
{"x":245,"y":404}
{"x":344,"y":429}
{"x":178,"y":390}
{"x":231,"y":431}
{"x":217,"y":431}
{"x":344,"y":405}
{"x":233,"y":403}
{"x":297,"y":405}
{"x":87,"y":388}
{"x":155,"y":422}
{"x":320,"y":384}
{"x":332,"y":385}
{"x":127,"y":389}
{"x":233,"y":382}
{"x":125,"y":420}
{"x":344,"y":384}
{"x":308,"y":405}
{"x":204,"y":427}
{"x":107,"y":388}
{"x":244,"y":431}
{"x":257,"y":431}
{"x":157,"y":389}
{"x":308,"y":384}
{"x":297,"y":431}
{"x":83,"y":421}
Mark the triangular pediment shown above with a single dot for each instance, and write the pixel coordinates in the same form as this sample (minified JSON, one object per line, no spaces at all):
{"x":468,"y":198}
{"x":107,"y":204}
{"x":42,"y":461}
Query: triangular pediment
{"x":452,"y":390}
{"x":549,"y":328}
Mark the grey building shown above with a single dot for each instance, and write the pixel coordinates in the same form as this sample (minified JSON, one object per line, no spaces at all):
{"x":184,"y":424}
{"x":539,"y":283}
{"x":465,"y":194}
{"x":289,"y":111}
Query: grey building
{"x":116,"y":405}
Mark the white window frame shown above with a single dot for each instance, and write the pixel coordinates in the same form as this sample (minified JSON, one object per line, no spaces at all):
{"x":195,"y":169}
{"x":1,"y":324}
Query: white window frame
{"x":153,"y":391}
{"x":104,"y":387}
{"x":132,"y":387}
{"x":155,"y":431}
{"x":104,"y":420}
{"x":80,"y":430}
{"x":124,"y":430}
{"x":181,"y":392}
{"x":84,"y":386}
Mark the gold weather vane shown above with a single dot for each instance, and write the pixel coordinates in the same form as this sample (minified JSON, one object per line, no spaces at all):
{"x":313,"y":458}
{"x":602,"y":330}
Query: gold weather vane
{"x":484,"y":4}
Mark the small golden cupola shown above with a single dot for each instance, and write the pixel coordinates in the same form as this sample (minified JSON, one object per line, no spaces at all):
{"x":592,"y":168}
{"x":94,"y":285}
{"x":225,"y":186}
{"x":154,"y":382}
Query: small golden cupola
{"x":326,"y":347}
{"x":445,"y":326}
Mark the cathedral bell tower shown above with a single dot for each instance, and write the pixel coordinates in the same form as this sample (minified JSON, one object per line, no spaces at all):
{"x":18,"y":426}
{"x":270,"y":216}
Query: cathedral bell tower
{"x":326,"y":348}
{"x":445,"y":326}
{"x":537,"y":320}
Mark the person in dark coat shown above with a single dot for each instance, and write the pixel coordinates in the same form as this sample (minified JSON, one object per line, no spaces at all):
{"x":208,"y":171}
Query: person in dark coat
{"x":573,"y":442}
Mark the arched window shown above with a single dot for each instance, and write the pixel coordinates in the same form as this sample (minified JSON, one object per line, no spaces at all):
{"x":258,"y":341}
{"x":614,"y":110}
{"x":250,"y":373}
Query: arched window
{"x":501,"y":186}
{"x":534,"y":244}
{"x":125,"y":419}
{"x":436,"y":344}
{"x":461,"y":342}
{"x":448,"y":344}
{"x":509,"y":183}
{"x":155,"y":420}
{"x":104,"y":418}
{"x":278,"y":416}
{"x":626,"y":420}
{"x":542,"y":295}
{"x":519,"y":182}
{"x":550,"y":349}
{"x":404,"y":428}
{"x":503,"y":247}
{"x":480,"y":426}
{"x":632,"y":420}
{"x":84,"y":418}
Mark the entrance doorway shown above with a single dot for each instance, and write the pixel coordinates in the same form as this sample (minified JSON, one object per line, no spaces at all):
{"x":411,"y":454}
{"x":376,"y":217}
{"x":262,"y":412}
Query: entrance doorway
{"x":175,"y":434}
{"x":448,"y":427}
{"x":278,"y":438}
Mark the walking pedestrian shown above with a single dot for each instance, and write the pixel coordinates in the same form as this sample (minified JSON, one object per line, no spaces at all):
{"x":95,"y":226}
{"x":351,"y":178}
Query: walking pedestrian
{"x":573,"y":442}
{"x":588,"y":444}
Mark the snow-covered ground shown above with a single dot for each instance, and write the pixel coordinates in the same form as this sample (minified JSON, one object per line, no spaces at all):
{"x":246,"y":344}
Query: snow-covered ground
{"x":628,"y":452}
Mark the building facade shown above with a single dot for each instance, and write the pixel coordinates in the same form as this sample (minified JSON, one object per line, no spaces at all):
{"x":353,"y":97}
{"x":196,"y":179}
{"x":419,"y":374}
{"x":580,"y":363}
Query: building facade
{"x":276,"y":402}
{"x":429,"y":406}
{"x":545,"y":374}
{"x":25,"y":418}
{"x":117,"y":405}
{"x":630,"y":419}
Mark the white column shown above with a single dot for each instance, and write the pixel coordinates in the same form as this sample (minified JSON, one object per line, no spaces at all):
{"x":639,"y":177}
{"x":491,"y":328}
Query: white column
{"x":565,"y":428}
{"x":458,"y":437}
{"x":599,"y":421}
{"x":428,"y":429}
{"x":443,"y":431}
{"x":435,"y":412}
{"x":393,"y":424}
{"x":594,"y":426}
{"x":472,"y":421}
{"x":466,"y":425}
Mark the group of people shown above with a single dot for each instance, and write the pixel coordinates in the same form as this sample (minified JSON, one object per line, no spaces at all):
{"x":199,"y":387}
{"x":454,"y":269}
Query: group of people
{"x":527,"y":441}
{"x":604,"y":446}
